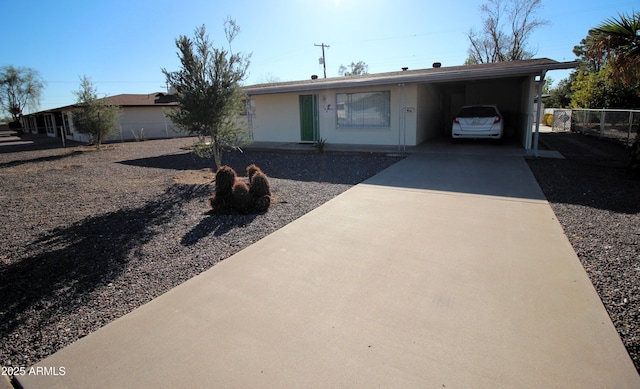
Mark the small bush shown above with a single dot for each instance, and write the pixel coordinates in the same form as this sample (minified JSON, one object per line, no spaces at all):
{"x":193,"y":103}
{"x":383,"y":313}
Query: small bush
{"x":320,"y":145}
{"x":547,"y":119}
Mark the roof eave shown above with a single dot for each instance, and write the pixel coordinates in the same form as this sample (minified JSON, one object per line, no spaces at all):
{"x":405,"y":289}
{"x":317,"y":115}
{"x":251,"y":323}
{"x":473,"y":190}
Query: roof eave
{"x":444,"y":76}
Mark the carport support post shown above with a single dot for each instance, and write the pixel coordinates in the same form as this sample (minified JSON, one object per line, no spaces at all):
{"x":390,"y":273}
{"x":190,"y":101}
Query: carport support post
{"x":536,"y":135}
{"x":402,"y":118}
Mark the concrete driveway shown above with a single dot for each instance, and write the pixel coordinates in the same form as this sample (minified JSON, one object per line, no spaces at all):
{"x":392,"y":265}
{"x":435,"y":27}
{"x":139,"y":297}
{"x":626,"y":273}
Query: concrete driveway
{"x":447,"y":270}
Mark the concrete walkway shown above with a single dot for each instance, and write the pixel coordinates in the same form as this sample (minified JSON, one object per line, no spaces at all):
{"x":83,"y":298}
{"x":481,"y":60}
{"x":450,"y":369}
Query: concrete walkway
{"x":443,"y":271}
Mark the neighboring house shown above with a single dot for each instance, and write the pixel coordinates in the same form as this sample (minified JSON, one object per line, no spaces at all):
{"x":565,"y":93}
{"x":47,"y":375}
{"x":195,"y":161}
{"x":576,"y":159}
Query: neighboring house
{"x":141,"y":117}
{"x":403,"y":108}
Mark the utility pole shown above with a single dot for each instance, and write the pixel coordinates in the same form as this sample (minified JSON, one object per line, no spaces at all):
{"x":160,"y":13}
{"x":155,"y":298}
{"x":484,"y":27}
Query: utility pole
{"x":324,"y":64}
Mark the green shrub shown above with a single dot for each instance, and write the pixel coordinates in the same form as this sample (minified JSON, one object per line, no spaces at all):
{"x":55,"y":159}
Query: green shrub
{"x":547,"y":119}
{"x":320,"y":145}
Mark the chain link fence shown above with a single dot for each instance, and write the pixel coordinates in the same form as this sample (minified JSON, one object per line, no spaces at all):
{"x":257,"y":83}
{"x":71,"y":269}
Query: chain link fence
{"x":621,"y":125}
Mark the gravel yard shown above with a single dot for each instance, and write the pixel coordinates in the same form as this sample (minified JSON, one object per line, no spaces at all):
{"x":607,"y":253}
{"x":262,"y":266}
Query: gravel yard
{"x":87,"y":236}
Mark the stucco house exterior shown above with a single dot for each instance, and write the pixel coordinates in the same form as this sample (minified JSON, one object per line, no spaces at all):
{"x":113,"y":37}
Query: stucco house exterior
{"x":403,"y":108}
{"x":142,"y":117}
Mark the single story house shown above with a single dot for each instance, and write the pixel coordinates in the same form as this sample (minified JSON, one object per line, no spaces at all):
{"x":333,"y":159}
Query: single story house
{"x":141,"y":117}
{"x":403,"y":108}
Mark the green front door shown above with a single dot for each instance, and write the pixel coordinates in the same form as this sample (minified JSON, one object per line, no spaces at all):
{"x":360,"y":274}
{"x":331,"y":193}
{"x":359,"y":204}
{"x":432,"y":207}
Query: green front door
{"x":309,"y":118}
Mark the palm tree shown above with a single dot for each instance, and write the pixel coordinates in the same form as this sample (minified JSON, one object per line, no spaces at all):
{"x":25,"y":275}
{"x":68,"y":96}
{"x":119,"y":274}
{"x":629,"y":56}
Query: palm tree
{"x":617,"y":41}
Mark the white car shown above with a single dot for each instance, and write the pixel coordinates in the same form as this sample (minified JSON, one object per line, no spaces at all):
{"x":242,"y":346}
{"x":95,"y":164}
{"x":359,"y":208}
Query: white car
{"x":478,"y":121}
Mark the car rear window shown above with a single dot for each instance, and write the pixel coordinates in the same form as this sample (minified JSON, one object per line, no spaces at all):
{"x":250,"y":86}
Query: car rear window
{"x":477,"y":112}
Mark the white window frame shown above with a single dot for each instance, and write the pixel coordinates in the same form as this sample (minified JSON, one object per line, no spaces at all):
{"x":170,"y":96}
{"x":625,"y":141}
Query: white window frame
{"x":49,"y":124}
{"x":363,"y":110}
{"x":66,"y":123}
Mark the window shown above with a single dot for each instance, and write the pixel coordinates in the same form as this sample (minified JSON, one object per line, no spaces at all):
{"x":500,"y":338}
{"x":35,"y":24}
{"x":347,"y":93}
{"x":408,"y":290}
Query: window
{"x":67,"y":127}
{"x":360,"y":110}
{"x":48,"y":124}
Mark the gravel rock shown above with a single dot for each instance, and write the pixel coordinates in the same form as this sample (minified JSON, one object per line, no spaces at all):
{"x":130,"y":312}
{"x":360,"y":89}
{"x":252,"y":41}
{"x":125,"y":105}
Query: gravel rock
{"x":88,"y":236}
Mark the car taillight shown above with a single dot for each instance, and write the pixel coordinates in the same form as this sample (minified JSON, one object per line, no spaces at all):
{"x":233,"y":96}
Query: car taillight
{"x":496,"y":119}
{"x":456,"y":121}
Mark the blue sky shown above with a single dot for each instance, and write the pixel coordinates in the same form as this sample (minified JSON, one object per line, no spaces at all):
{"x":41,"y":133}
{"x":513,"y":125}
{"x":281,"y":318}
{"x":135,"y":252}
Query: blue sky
{"x":123,"y":45}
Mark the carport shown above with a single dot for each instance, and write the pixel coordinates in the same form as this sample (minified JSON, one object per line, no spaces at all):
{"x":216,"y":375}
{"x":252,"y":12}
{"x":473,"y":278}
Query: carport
{"x":512,"y":86}
{"x":505,"y":93}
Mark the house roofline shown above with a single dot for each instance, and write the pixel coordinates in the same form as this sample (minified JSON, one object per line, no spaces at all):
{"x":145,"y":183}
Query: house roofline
{"x":434,"y":75}
{"x":123,"y":101}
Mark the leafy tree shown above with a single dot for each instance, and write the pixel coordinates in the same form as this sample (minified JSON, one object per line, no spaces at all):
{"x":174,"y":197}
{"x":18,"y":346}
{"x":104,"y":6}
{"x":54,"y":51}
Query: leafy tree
{"x":598,"y":90}
{"x":609,"y":71}
{"x":616,"y":42}
{"x":354,"y":69}
{"x":93,"y":116}
{"x":19,"y":88}
{"x":561,"y":94}
{"x":492,"y":43}
{"x":209,"y":93}
{"x":587,"y":63}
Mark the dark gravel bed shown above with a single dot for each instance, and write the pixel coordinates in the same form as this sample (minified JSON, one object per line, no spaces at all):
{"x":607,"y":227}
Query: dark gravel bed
{"x":87,"y":236}
{"x":599,"y":209}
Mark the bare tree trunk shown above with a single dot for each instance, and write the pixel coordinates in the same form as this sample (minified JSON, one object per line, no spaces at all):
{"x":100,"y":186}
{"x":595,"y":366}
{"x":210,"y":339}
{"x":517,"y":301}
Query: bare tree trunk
{"x":217,"y":156}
